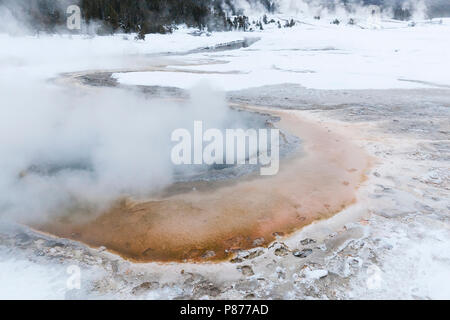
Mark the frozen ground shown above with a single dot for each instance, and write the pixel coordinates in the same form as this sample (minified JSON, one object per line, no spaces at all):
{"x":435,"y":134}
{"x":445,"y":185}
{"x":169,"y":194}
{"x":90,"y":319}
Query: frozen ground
{"x":321,"y":56}
{"x":394,"y":243}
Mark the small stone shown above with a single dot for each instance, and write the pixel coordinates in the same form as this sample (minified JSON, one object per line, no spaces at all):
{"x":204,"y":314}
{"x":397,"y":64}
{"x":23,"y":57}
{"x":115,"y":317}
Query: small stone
{"x":206,"y":288}
{"x":278,"y":234}
{"x":302,"y":253}
{"x":280,"y":249}
{"x":145,"y":286}
{"x":258,"y":241}
{"x":253,"y":254}
{"x":247,"y":255}
{"x":307,"y":241}
{"x":237,"y":260}
{"x":208,"y":254}
{"x":246,"y":270}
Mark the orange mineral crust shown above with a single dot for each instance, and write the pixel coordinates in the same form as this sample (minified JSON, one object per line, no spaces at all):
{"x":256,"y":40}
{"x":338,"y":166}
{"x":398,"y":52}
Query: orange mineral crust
{"x":209,"y":224}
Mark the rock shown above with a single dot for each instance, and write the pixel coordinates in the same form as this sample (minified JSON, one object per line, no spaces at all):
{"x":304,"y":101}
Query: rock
{"x":248,"y":255}
{"x":302,"y":253}
{"x":237,"y":260}
{"x":246,"y":270}
{"x":145,"y":286}
{"x":278,"y":234}
{"x":192,"y":278}
{"x":253,"y":254}
{"x":258,"y":241}
{"x":208,"y":254}
{"x":307,"y":241}
{"x":206,"y":288}
{"x":280,"y":249}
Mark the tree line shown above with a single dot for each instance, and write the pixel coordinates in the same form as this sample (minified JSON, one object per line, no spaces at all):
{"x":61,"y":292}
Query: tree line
{"x":140,"y":16}
{"x":149,"y":16}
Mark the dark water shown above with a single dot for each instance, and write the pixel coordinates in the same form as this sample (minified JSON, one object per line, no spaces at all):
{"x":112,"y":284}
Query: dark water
{"x":248,"y":120}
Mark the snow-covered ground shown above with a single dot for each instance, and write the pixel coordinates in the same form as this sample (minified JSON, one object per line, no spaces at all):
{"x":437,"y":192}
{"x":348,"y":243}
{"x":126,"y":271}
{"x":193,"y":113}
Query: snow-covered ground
{"x":322,"y":56}
{"x":400,"y":248}
{"x":22,"y":279}
{"x":46,"y":56}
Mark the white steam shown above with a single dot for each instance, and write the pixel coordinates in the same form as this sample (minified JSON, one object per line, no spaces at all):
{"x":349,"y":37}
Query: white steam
{"x":332,"y":8}
{"x":66,"y":148}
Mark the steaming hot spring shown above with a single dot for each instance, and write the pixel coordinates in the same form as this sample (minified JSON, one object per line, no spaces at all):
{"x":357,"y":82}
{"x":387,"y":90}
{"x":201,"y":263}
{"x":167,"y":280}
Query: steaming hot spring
{"x":211,"y":214}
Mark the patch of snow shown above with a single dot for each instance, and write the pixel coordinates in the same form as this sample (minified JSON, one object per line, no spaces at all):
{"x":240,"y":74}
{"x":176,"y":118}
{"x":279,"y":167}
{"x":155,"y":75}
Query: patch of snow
{"x":22,"y":279}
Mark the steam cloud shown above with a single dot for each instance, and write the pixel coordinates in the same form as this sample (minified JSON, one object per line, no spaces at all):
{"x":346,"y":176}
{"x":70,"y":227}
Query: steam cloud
{"x":62,"y":149}
{"x":419,"y":9}
{"x":65,"y":148}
